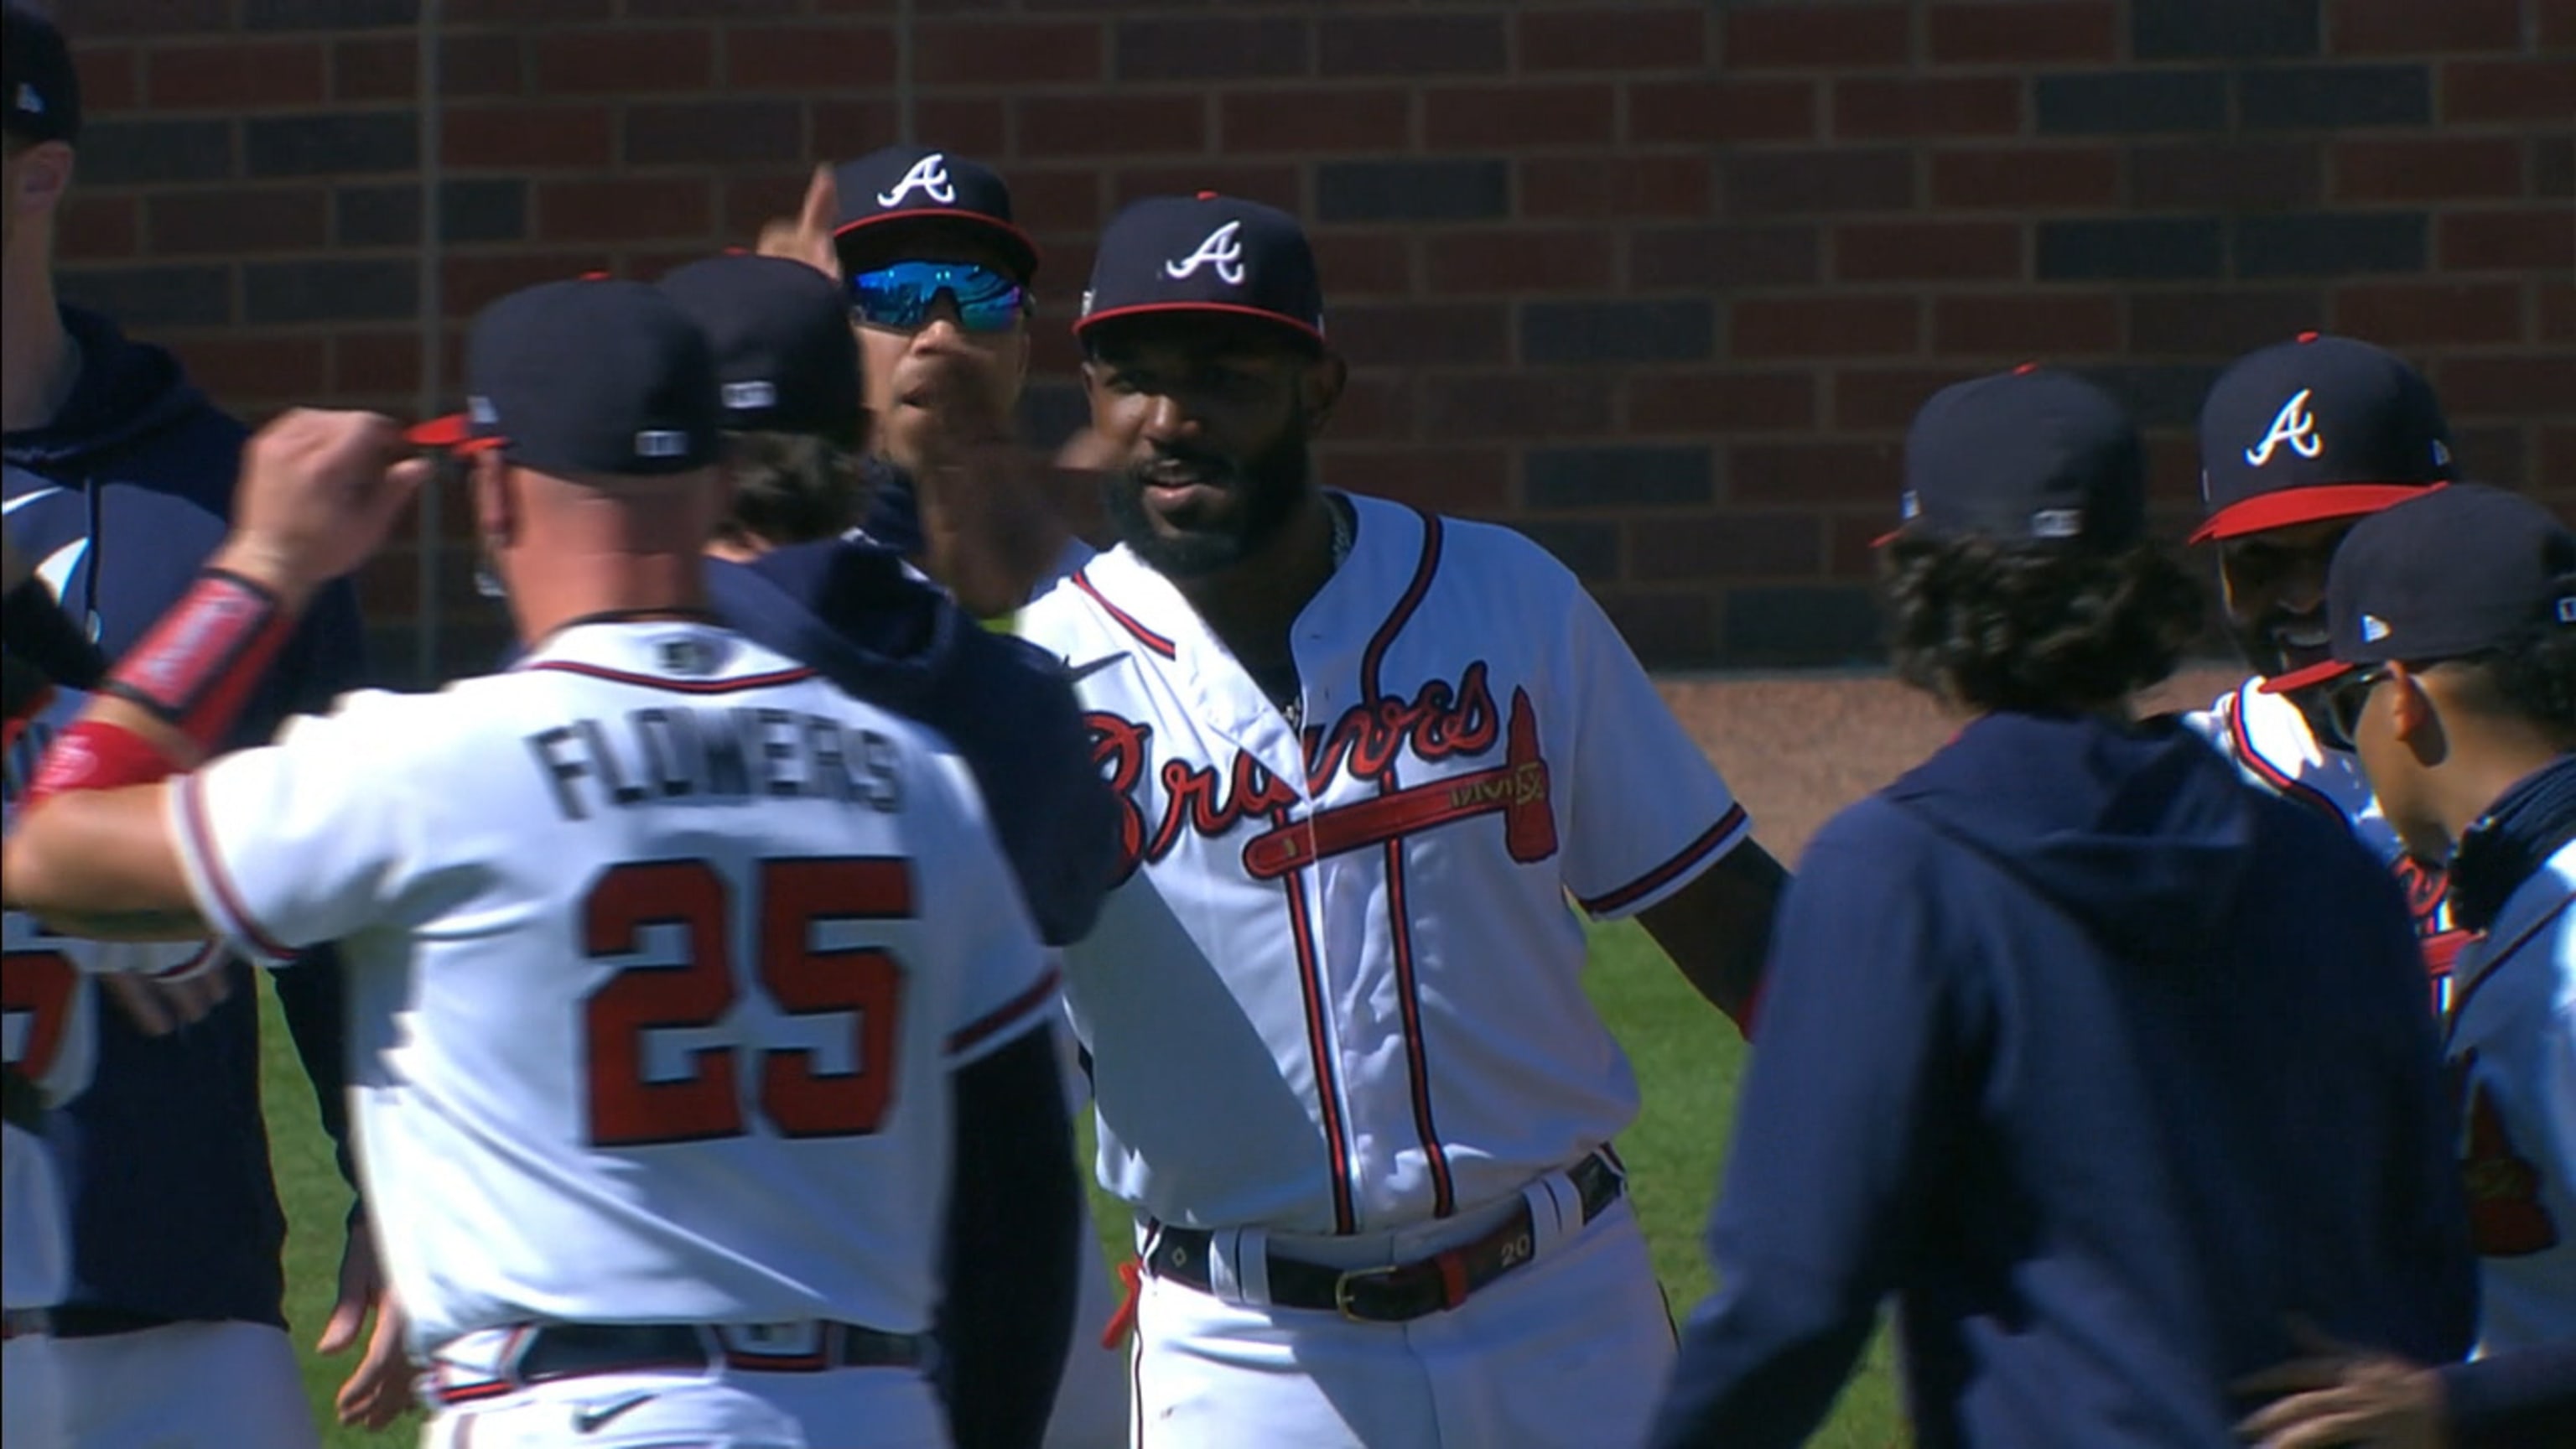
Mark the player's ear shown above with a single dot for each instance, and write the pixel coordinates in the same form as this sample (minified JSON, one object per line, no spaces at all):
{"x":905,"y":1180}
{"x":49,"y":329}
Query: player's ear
{"x":496,"y":513}
{"x":2413,"y":714}
{"x":1320,"y":386}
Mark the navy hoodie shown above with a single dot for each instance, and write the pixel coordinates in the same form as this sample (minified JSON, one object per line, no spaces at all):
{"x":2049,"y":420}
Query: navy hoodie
{"x":164,"y":1158}
{"x":2104,"y":1065}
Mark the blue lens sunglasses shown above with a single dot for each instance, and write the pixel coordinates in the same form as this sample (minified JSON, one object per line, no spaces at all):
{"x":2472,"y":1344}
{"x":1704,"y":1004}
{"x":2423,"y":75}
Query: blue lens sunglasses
{"x":901,"y":296}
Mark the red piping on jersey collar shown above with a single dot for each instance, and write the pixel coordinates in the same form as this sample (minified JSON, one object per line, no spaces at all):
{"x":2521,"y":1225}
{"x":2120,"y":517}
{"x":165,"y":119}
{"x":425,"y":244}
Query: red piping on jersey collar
{"x":676,"y":686}
{"x":1125,"y":620}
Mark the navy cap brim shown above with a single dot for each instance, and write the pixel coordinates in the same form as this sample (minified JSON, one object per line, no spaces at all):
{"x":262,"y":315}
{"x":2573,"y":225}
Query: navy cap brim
{"x":1143,"y":309}
{"x":1023,"y":250}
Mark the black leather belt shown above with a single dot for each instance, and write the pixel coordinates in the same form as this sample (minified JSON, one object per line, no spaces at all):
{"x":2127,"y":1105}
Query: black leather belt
{"x":25,"y":1323}
{"x":576,"y":1350}
{"x":1400,"y":1291}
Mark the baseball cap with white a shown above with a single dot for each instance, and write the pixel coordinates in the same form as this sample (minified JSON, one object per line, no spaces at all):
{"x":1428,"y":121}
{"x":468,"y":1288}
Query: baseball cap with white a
{"x":39,"y":89}
{"x":1205,"y":253}
{"x":2315,"y":429}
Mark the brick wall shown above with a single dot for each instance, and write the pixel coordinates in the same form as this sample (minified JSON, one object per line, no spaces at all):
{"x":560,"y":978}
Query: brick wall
{"x":1658,"y":283}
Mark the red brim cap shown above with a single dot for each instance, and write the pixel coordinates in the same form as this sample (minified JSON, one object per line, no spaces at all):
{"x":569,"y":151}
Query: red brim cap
{"x":2314,"y":674}
{"x":2289,"y":507}
{"x":1143,"y":309}
{"x":454,"y":432}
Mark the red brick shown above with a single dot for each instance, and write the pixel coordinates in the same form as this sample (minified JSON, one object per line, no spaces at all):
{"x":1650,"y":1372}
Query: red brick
{"x":1519,"y":260}
{"x":1721,"y":402}
{"x":111,"y":77}
{"x":1422,"y":334}
{"x":1725,"y":546}
{"x":1800,"y":183}
{"x":2023,"y":31}
{"x":376,"y":68}
{"x":2173,"y":468}
{"x":2026,"y":325}
{"x":2471,"y":241}
{"x":1852,"y":549}
{"x":1825,"y":326}
{"x":2553,"y":314}
{"x":623,"y":211}
{"x":235,"y":74}
{"x":2413,"y":28}
{"x":1515,"y":405}
{"x":2554,"y":24}
{"x":523,"y":12}
{"x":1832,"y":37}
{"x":1412,"y":45}
{"x":1343,"y":119}
{"x":468,"y":283}
{"x":526,"y":138}
{"x":1709,"y":257}
{"x":383,"y":364}
{"x":2427,"y":168}
{"x":1886,"y":399}
{"x":182,"y":223}
{"x":1614,"y":186}
{"x":1895,"y":251}
{"x":1005,"y":53}
{"x":1813,"y":473}
{"x":1050,"y":201}
{"x":1376,"y":406}
{"x":2027,"y":178}
{"x":1518,"y":117}
{"x":1276,"y":183}
{"x":603,"y":61}
{"x":2495,"y":451}
{"x":1360,"y":263}
{"x":2418,"y":314}
{"x":1112,"y":124}
{"x":233,"y":366}
{"x":92,"y":227}
{"x":839,"y":130}
{"x":2505,"y":387}
{"x":751,"y":200}
{"x":1875,"y":107}
{"x":1468,"y":481}
{"x":1721,"y":110}
{"x":2509,"y":90}
{"x":809,"y":57}
{"x":1632,"y":40}
{"x":481,"y":65}
{"x":971,"y":125}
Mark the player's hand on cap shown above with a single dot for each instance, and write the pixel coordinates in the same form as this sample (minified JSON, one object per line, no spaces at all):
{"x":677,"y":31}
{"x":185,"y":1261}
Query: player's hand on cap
{"x":807,"y":236}
{"x":319,"y":492}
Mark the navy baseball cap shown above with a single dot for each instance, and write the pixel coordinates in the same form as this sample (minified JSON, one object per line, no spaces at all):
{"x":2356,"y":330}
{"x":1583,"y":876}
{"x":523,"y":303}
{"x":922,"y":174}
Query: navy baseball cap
{"x":2034,"y":453}
{"x":918,"y":184}
{"x":2316,"y":428}
{"x":2444,"y":575}
{"x":1205,"y":253}
{"x":42,"y":90}
{"x":599,"y":377}
{"x":786,"y":360}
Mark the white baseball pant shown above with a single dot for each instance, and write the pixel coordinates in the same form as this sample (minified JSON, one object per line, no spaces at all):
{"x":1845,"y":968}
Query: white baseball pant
{"x":31,"y":1394}
{"x":183,"y":1385}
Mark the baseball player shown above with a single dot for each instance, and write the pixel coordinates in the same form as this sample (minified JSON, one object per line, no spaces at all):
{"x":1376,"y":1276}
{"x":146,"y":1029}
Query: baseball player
{"x":120,"y":474}
{"x":2452,"y":620}
{"x":1344,"y":1069}
{"x":2298,"y":442}
{"x":853,"y":610}
{"x":663,"y":951}
{"x":2022,"y":1061}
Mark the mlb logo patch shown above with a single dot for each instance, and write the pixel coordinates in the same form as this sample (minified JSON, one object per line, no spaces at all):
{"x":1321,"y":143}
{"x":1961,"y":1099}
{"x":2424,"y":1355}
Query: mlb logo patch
{"x":2373,"y":628}
{"x":662,"y":443}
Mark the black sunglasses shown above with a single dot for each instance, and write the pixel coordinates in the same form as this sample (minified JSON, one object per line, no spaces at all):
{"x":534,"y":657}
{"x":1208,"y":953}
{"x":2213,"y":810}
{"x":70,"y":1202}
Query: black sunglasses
{"x":2345,"y":697}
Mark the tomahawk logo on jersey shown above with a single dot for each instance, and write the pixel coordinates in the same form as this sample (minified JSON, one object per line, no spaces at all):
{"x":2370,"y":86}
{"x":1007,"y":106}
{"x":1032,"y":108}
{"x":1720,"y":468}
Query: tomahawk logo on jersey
{"x":1383,"y":891}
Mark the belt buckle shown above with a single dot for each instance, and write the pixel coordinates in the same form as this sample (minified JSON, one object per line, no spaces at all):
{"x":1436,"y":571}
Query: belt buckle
{"x":1342,"y":1290}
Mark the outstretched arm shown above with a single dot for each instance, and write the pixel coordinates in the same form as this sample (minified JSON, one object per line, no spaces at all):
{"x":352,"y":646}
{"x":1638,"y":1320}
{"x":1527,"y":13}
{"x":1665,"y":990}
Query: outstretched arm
{"x":1717,"y":929}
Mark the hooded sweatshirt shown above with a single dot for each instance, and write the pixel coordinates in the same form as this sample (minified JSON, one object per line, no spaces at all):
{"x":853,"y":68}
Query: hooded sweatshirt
{"x":164,"y":1158}
{"x":2104,"y":1065}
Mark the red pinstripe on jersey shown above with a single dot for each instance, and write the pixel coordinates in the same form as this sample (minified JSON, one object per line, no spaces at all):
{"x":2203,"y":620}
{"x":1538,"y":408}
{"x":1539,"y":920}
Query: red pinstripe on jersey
{"x":676,"y":686}
{"x":201,"y":843}
{"x":1000,"y":1019}
{"x":2289,"y":788}
{"x":1319,"y":1046}
{"x":1125,"y":620}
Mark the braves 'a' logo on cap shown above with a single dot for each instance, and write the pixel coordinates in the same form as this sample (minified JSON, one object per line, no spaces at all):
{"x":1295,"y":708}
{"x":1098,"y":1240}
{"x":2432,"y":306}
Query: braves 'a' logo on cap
{"x":1221,"y":250}
{"x":2293,"y":425}
{"x":28,"y":101}
{"x":929,"y":176}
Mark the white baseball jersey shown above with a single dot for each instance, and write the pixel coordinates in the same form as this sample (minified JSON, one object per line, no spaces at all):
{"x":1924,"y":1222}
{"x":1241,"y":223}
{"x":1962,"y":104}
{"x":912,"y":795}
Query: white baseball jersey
{"x":2272,"y":746}
{"x":2511,"y":1047}
{"x":661,"y":951}
{"x":1335,"y":988}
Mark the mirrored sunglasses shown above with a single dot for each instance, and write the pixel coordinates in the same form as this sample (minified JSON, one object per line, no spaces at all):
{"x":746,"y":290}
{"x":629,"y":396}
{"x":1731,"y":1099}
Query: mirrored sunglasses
{"x":902,"y":295}
{"x":2346,"y":696}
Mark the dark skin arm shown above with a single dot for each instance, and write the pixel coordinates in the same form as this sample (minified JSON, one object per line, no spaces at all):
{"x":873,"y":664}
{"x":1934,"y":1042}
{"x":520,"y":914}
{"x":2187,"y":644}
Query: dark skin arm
{"x":1717,"y":929}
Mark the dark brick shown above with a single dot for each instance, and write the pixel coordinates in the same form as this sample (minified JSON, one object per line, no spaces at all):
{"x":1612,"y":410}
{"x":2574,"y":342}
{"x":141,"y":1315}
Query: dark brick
{"x":328,"y":14}
{"x":1723,"y":256}
{"x":1050,"y":413}
{"x":127,"y":153}
{"x":1415,"y":335}
{"x":230,"y":221}
{"x":1515,"y":405}
{"x":2331,"y":244}
{"x":330,"y":291}
{"x":2131,"y":102}
{"x":2221,"y":324}
{"x":157,"y":19}
{"x":1724,"y":546}
{"x":2553,"y":165}
{"x":2191,"y":29}
{"x":1628,"y":477}
{"x":2320,"y":97}
{"x":2157,"y":395}
{"x":324,"y":145}
{"x":1668,"y":629}
{"x":149,"y":297}
{"x":1675,"y":331}
{"x":1590,"y":549}
{"x":1211,"y":49}
{"x":711,"y":133}
{"x":2227,"y":175}
{"x":2131,"y":247}
{"x":1412,"y":45}
{"x":1413,"y":190}
{"x":1802,"y":624}
{"x":468,"y":211}
{"x":1790,"y":183}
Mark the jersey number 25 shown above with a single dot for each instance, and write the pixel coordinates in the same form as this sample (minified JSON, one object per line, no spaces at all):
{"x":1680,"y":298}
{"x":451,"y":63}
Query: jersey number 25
{"x":627,"y":1109}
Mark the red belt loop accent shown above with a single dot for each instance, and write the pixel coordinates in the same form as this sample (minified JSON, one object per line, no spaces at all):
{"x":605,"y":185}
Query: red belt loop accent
{"x":1453,"y":1278}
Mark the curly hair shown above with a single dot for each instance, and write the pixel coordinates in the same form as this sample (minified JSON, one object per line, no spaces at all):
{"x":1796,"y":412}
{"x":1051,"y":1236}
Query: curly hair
{"x":790,"y":488}
{"x":2035,"y":625}
{"x":2533,"y":676}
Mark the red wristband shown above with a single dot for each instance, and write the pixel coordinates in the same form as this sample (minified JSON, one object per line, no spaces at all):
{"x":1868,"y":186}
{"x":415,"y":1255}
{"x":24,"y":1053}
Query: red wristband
{"x":95,"y":756}
{"x":199,"y":665}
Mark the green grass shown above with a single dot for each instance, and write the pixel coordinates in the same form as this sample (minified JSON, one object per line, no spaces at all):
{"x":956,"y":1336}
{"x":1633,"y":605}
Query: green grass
{"x":1686,"y":1056}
